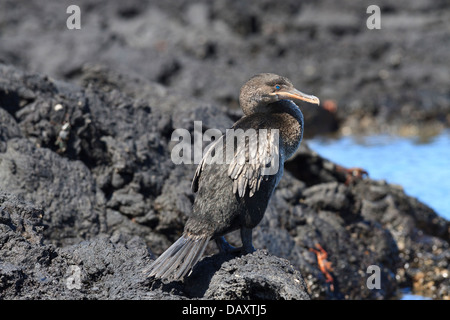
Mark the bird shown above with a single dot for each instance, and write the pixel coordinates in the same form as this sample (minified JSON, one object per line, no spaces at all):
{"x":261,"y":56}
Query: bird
{"x":238,"y":174}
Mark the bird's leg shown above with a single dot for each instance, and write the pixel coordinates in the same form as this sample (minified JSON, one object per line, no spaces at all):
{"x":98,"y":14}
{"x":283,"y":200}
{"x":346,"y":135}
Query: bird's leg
{"x":247,"y":243}
{"x":224,"y":246}
{"x":246,"y":236}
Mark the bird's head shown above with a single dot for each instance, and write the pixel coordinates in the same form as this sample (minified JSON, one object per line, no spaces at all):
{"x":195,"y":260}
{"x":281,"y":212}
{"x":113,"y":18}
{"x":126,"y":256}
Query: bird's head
{"x":266,"y":88}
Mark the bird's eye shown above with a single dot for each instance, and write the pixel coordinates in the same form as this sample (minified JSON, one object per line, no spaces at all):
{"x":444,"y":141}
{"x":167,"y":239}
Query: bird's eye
{"x":277,"y":87}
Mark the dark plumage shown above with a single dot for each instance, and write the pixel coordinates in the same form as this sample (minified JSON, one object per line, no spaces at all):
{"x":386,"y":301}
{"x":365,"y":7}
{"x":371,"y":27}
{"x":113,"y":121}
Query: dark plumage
{"x":234,"y":194}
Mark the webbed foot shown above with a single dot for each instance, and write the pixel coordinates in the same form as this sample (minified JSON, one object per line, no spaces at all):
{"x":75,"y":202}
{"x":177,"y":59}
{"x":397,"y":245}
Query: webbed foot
{"x":225,"y":247}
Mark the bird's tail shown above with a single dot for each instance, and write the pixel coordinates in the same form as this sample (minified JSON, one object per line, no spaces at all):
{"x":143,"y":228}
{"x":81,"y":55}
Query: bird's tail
{"x":179,"y":259}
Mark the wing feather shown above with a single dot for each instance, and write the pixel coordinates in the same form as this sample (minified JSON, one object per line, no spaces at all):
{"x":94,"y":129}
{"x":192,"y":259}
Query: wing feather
{"x":248,"y":166}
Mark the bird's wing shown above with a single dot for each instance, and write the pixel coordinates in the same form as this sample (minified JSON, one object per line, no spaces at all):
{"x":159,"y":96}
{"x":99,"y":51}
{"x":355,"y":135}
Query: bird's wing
{"x":212,"y":149}
{"x":252,"y":157}
{"x":255,"y":160}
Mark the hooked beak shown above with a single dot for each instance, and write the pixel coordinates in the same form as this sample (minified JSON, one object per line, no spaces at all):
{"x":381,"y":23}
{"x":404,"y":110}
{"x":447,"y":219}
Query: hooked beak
{"x":294,"y":94}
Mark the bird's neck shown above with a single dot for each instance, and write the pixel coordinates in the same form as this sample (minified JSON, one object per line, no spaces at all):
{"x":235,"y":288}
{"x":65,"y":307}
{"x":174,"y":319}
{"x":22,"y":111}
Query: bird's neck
{"x":291,"y":126}
{"x":288,"y":107}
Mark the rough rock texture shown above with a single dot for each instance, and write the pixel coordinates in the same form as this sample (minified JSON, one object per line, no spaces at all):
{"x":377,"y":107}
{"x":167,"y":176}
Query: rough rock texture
{"x":94,"y":269}
{"x":257,"y":276}
{"x":105,"y":268}
{"x":379,"y":224}
{"x":101,"y":193}
{"x":73,"y":206}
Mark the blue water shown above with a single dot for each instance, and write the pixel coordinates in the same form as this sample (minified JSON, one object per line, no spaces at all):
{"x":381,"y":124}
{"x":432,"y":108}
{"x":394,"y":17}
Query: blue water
{"x":406,"y":294}
{"x":421,"y":168}
{"x":414,"y":297}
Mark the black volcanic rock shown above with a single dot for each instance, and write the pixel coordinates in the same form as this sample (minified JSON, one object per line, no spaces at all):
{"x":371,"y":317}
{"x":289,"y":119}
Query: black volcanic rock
{"x":92,"y":162}
{"x":105,"y":268}
{"x":74,"y":207}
